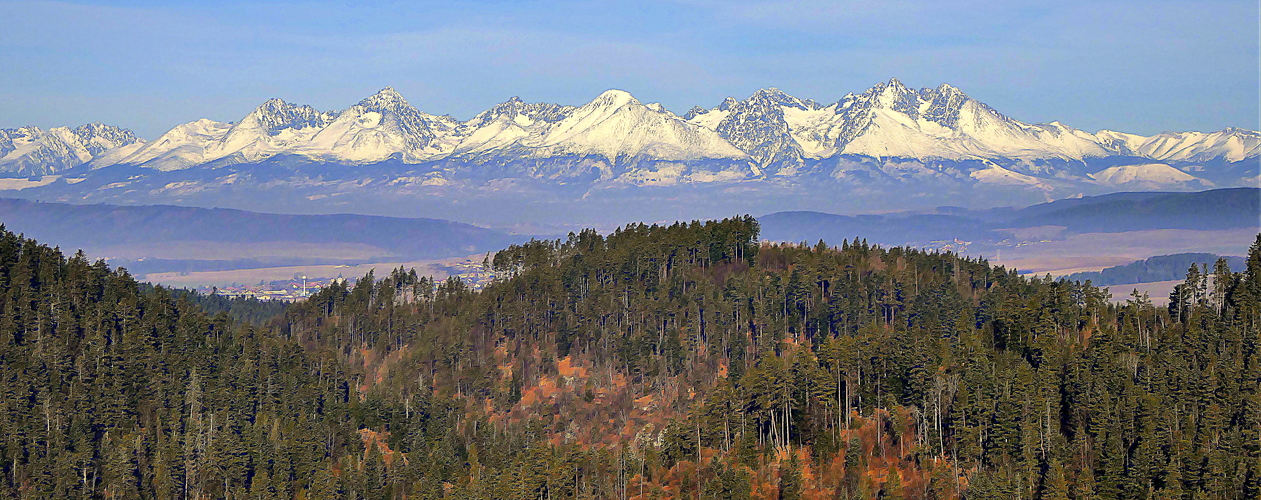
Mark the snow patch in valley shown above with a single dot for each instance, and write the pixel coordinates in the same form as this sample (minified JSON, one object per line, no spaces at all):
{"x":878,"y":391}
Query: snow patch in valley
{"x":663,"y":175}
{"x":1148,"y":175}
{"x":20,"y":184}
{"x":997,"y":175}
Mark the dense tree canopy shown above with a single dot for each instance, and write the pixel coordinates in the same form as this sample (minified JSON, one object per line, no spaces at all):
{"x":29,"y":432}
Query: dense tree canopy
{"x":680,"y":361}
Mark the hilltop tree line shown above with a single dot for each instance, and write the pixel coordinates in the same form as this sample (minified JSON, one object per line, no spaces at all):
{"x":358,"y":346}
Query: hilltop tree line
{"x":1158,"y":268}
{"x":678,"y":361}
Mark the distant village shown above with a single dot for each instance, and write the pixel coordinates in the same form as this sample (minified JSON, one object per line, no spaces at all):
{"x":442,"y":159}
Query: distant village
{"x":954,"y":245}
{"x":473,"y":273}
{"x":290,"y":290}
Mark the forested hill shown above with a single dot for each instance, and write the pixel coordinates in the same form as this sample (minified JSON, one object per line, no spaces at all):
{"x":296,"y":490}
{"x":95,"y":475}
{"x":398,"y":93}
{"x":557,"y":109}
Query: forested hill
{"x":1158,"y":268}
{"x":683,"y":361}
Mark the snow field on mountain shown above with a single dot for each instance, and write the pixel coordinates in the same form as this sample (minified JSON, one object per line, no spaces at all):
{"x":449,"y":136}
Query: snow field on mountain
{"x":616,"y":138}
{"x":997,"y":175}
{"x":1146,"y":176}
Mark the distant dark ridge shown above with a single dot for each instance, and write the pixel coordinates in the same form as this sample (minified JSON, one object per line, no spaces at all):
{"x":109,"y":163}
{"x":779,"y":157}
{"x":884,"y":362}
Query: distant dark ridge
{"x":1114,"y":213}
{"x":73,"y":226}
{"x":141,"y":267}
{"x":1158,"y":268}
{"x":1206,"y":210}
{"x":883,"y":229}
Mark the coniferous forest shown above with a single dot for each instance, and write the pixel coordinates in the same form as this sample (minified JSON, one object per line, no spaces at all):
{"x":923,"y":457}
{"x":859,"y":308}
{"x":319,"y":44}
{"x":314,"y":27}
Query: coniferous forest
{"x":687,"y":361}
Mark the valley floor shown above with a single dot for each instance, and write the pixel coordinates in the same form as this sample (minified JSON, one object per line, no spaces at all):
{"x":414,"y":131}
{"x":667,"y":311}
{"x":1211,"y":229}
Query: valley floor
{"x":1095,"y":251}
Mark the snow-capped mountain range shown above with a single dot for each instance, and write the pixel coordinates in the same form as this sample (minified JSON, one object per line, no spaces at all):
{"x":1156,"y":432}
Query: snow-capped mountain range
{"x":889,"y":135}
{"x":31,"y":151}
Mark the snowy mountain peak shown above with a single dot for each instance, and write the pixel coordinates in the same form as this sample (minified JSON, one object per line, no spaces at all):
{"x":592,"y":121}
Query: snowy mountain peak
{"x":1232,"y":144}
{"x":898,"y":97}
{"x":379,"y":127}
{"x":385,"y":99}
{"x":892,"y":120}
{"x":944,"y":105}
{"x":34,"y":151}
{"x":98,"y":137}
{"x":758,"y":126}
{"x":619,"y":128}
{"x":519,"y":112}
{"x":768,"y":135}
{"x":896,"y":84}
{"x":769,"y":93}
{"x":510,"y":108}
{"x":613,"y":98}
{"x":948,"y":89}
{"x":276,"y":115}
{"x":772,"y":96}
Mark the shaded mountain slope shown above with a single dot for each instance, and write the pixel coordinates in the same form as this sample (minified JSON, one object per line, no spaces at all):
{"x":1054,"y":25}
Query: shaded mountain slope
{"x":1112,"y":213}
{"x":1213,"y":209}
{"x":108,"y":225}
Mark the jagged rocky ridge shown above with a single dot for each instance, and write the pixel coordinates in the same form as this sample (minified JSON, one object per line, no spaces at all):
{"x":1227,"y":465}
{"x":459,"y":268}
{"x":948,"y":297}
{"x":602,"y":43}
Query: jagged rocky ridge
{"x":887,"y":135}
{"x":32,"y":151}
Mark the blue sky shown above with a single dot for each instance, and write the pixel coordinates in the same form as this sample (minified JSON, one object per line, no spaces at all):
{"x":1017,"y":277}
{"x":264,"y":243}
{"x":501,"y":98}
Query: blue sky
{"x":1135,"y":66}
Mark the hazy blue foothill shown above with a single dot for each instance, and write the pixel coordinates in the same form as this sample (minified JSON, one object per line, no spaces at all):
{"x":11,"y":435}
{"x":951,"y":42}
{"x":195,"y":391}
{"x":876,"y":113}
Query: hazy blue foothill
{"x":1205,"y":210}
{"x":145,"y":265}
{"x":101,"y":226}
{"x":76,"y":226}
{"x":1119,"y":212}
{"x":883,"y":229}
{"x":1158,"y":268}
